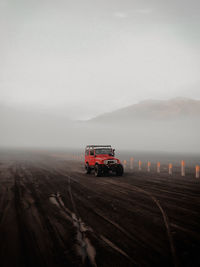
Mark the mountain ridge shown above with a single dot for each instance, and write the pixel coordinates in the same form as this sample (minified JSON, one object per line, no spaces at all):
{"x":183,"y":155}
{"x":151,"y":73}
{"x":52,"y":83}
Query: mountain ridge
{"x":175,"y":108}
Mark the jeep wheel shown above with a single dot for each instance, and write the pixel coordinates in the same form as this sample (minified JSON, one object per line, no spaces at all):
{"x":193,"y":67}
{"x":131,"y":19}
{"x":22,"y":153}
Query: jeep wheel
{"x":120,"y":170}
{"x":87,"y":168}
{"x":97,"y":170}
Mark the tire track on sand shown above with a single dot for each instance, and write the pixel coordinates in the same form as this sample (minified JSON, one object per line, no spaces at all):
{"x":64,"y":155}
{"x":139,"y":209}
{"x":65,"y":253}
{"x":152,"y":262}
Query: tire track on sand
{"x":84,"y":248}
{"x":164,"y":215}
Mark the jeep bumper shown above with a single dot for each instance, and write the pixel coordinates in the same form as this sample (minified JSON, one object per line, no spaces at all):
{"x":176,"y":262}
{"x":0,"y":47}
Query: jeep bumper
{"x":109,"y":167}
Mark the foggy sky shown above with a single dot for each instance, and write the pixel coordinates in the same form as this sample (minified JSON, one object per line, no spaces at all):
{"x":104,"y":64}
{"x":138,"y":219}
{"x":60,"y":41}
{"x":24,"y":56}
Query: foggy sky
{"x":90,"y":57}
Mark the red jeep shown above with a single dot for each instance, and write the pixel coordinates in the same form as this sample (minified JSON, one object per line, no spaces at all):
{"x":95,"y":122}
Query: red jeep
{"x":102,"y":160}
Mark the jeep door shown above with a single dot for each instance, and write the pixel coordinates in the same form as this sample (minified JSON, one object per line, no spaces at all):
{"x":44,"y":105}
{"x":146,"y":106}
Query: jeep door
{"x":92,"y":157}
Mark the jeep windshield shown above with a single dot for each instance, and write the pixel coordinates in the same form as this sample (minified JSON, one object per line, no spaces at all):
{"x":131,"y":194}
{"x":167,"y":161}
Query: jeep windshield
{"x":104,"y":151}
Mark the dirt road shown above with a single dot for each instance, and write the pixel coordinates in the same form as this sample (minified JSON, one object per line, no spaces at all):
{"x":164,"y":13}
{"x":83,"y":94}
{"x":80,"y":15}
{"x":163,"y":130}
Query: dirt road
{"x":52,"y":214}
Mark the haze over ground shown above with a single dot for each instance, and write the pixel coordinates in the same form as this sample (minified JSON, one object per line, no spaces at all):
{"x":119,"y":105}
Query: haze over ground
{"x":80,"y":59}
{"x":171,"y":126}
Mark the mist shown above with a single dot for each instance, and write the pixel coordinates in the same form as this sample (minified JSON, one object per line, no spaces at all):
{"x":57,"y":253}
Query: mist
{"x":177,"y":132}
{"x":76,"y":73}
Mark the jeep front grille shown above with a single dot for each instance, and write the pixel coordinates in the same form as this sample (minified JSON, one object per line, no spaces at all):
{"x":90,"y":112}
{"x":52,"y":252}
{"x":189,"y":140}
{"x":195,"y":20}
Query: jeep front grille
{"x":110,"y":161}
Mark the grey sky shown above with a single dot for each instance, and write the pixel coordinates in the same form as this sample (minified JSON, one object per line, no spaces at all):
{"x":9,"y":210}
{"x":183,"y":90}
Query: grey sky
{"x":88,"y":57}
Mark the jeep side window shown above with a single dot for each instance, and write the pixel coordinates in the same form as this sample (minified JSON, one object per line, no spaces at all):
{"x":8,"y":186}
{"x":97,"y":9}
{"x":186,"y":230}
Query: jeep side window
{"x":91,"y":152}
{"x":87,"y":152}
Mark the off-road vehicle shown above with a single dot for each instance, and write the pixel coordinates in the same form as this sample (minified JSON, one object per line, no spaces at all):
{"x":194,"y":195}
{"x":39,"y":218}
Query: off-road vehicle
{"x":101,"y":159}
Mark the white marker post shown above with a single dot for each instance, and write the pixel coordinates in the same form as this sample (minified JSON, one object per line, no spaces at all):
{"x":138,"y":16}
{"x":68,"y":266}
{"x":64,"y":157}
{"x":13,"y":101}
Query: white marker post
{"x":170,"y":168}
{"x":140,"y":165}
{"x":148,"y":166}
{"x":131,"y":163}
{"x":197,"y":171}
{"x":182,"y":168}
{"x":158,"y":167}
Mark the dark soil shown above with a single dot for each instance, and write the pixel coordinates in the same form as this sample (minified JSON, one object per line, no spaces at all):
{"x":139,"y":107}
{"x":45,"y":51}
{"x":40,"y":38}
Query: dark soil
{"x":52,"y":214}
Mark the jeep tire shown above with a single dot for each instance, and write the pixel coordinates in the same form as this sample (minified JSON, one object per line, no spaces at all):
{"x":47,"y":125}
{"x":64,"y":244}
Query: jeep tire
{"x":87,"y":168}
{"x":97,"y":170}
{"x":119,"y":170}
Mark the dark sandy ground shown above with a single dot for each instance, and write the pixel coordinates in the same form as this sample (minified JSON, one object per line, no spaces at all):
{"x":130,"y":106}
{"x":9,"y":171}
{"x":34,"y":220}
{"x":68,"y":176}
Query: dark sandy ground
{"x":52,"y":214}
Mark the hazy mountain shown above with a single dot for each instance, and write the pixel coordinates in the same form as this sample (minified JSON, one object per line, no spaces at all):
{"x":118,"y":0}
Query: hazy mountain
{"x":173,"y":109}
{"x":171,"y":125}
